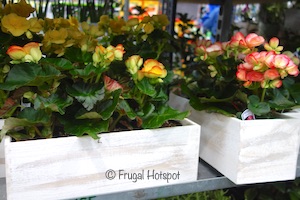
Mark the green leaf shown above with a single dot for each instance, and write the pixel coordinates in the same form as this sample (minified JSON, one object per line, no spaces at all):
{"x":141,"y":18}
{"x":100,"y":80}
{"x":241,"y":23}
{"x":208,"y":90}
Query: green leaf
{"x":29,"y":74}
{"x":20,"y":75}
{"x":108,"y":107}
{"x":53,"y":102}
{"x":280,"y":101}
{"x":157,"y":119}
{"x":34,"y":116}
{"x":58,"y":63}
{"x":85,"y":126}
{"x":125,"y":108}
{"x":145,"y":87}
{"x":148,"y":109}
{"x":87,"y":71}
{"x":210,"y":104}
{"x":86,"y":94}
{"x":11,"y":123}
{"x":76,"y":55}
{"x":26,"y":118}
{"x":295,"y":92}
{"x":161,"y":95}
{"x":258,"y":108}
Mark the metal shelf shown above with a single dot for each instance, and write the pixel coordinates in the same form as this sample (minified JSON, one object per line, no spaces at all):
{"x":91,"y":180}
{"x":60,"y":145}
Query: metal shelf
{"x":208,"y":179}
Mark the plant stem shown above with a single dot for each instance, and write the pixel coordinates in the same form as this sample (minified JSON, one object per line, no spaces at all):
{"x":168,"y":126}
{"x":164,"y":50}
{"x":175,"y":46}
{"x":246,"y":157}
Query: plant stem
{"x":113,"y":125}
{"x":98,"y":78}
{"x":37,"y":131}
{"x":263,"y":95}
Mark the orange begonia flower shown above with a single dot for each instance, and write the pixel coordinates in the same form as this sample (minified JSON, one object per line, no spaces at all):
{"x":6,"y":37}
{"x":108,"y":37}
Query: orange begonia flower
{"x":154,"y":69}
{"x":16,"y":52}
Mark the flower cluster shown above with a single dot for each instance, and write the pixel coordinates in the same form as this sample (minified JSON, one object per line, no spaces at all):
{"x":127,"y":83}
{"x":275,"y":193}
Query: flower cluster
{"x":105,"y":77}
{"x":239,"y":74}
{"x":28,"y":53}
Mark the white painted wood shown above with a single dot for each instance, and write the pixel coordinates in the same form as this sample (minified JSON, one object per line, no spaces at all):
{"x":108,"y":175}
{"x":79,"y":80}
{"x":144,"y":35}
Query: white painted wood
{"x":250,"y":151}
{"x":178,"y":102}
{"x":2,"y":159}
{"x":72,"y":167}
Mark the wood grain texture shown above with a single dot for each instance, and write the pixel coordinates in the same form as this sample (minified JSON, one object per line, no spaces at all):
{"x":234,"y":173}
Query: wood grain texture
{"x":72,"y":167}
{"x":251,"y":151}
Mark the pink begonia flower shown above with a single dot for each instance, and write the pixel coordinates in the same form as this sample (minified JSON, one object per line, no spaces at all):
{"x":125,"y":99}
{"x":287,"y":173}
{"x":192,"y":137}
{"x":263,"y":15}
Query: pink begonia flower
{"x":255,"y":76}
{"x":281,"y":61}
{"x":111,"y":84}
{"x":271,"y":74}
{"x":214,"y":50}
{"x":276,"y":83}
{"x":237,"y":40}
{"x":254,"y":40}
{"x":241,"y":74}
{"x":292,"y":68}
{"x":252,"y":58}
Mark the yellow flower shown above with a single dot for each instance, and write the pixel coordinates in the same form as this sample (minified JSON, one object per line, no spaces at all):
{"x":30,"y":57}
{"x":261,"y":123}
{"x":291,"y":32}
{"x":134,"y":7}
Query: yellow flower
{"x":104,"y":22}
{"x":33,"y":52}
{"x":73,"y":22}
{"x":35,"y":25}
{"x":15,"y":24}
{"x":56,"y":36}
{"x":152,"y":69}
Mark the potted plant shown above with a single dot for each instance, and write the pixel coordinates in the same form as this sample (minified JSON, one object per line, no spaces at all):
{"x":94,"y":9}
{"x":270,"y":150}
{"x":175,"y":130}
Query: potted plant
{"x":234,"y":82}
{"x":68,"y":79}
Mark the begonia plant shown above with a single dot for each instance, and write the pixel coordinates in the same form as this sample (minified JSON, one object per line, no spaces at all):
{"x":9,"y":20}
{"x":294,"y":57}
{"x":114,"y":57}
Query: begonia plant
{"x":62,"y":77}
{"x":244,"y":73}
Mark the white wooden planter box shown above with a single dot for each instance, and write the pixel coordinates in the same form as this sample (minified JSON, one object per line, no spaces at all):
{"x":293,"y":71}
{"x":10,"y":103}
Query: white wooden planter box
{"x":250,"y":151}
{"x":2,"y":159}
{"x":72,"y":167}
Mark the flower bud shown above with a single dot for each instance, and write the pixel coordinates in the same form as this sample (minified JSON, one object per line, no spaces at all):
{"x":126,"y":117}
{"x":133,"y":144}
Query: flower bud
{"x":118,"y":52}
{"x":111,"y":85}
{"x":134,"y":63}
{"x":16,"y":52}
{"x":29,"y":35}
{"x":276,"y":83}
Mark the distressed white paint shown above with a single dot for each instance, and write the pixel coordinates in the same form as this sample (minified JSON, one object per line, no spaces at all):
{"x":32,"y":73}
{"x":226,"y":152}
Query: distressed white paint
{"x":2,"y":160}
{"x":250,"y":151}
{"x":178,"y":102}
{"x":71,"y":167}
